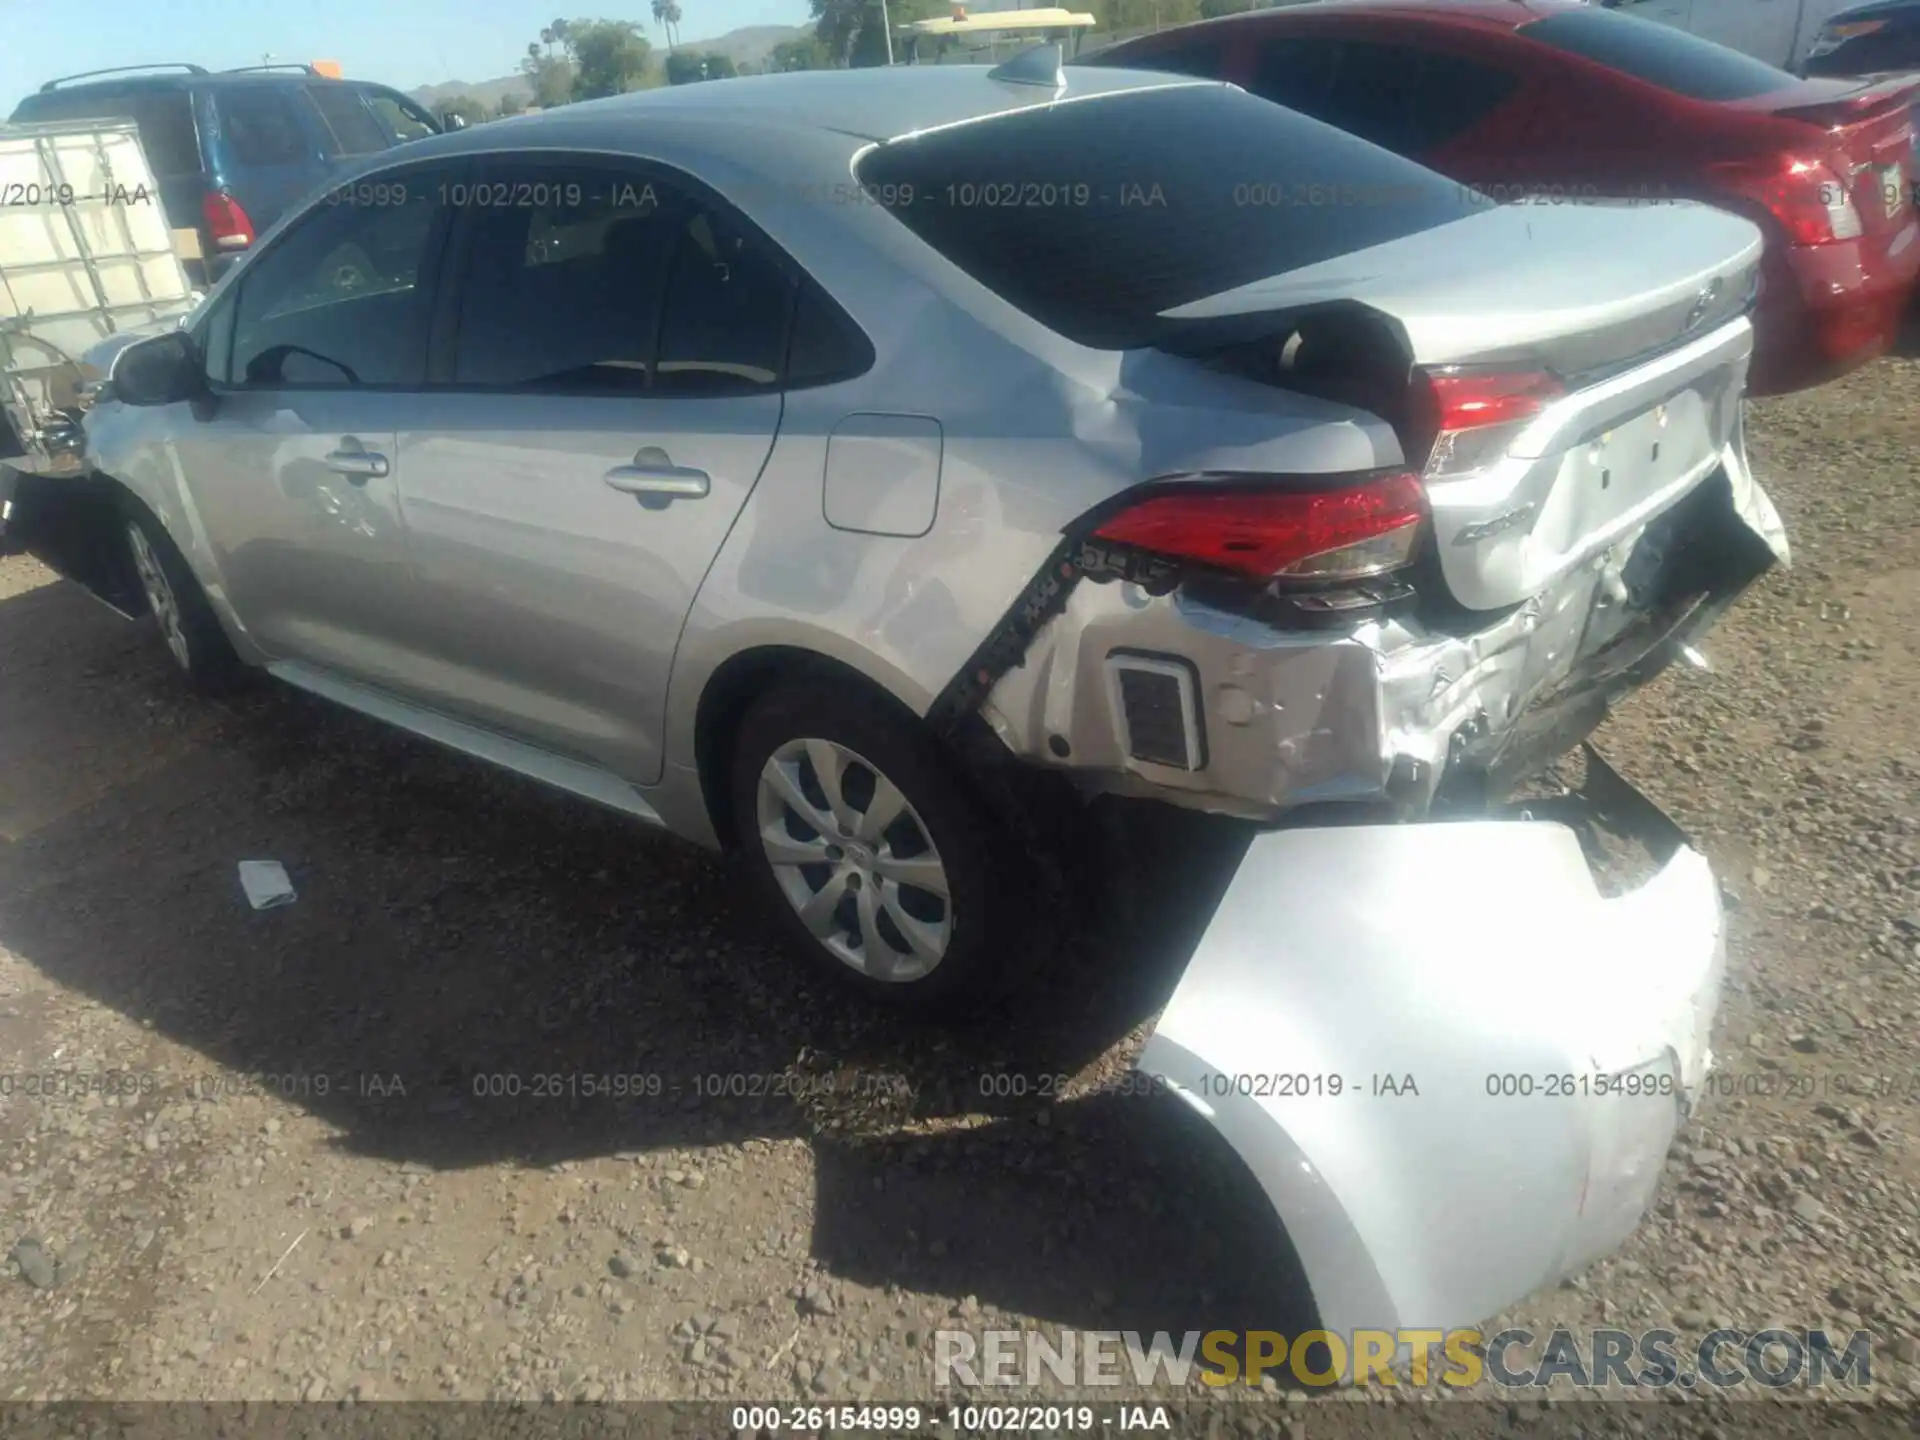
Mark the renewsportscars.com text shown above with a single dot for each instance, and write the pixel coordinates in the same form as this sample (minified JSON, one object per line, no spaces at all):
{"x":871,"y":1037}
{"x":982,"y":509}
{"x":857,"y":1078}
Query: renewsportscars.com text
{"x":1517,"y":1359}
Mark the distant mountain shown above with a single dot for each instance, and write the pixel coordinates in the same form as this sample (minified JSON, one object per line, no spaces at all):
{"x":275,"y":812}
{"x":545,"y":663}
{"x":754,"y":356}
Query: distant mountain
{"x":749,"y":45}
{"x":488,"y":92}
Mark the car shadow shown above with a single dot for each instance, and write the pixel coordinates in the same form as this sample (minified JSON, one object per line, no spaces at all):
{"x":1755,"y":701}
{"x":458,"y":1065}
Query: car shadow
{"x":1906,"y":344}
{"x":549,"y":983}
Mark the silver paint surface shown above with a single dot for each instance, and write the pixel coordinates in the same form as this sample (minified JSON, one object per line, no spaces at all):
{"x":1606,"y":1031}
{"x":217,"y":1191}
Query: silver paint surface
{"x":1339,"y":956}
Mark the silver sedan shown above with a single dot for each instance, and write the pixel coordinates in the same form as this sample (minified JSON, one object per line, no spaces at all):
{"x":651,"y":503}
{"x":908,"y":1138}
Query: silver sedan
{"x":826,"y":465}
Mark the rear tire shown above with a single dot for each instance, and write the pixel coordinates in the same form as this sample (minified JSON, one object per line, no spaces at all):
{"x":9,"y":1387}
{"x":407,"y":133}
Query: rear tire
{"x":179,"y":607}
{"x":11,"y":542}
{"x":864,"y":840}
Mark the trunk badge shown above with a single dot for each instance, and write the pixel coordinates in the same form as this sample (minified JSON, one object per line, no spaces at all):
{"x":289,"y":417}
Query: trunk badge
{"x":1702,"y":303}
{"x":1499,"y":524}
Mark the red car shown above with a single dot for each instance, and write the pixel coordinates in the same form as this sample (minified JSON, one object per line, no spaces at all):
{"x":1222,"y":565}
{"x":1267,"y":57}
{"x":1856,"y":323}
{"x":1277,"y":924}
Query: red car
{"x":1559,"y":102}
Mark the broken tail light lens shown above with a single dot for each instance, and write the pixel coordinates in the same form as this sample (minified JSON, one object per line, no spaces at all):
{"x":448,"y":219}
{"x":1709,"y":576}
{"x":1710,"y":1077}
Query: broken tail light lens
{"x":1474,"y":414}
{"x":1324,"y":535}
{"x":226,"y":221}
{"x":1806,"y":197}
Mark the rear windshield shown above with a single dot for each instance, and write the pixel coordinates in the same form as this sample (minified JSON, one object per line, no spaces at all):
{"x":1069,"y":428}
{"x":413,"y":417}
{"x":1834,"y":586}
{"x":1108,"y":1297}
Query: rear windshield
{"x":1094,"y":216}
{"x":1658,"y":54}
{"x":165,"y":118}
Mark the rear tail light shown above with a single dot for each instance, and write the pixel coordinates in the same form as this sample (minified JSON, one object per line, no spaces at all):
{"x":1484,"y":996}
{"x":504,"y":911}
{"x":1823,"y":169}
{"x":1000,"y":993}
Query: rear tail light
{"x":1274,"y":531}
{"x":1807,"y":197}
{"x":1473,"y":415}
{"x":227,"y":223}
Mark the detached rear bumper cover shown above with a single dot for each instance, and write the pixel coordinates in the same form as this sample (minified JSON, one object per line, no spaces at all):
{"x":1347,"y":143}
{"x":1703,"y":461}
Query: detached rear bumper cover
{"x":1478,"y":961}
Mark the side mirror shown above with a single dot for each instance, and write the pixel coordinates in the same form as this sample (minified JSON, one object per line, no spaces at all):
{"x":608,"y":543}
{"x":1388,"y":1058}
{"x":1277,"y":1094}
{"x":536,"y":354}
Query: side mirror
{"x":451,"y":121}
{"x":162,"y":371}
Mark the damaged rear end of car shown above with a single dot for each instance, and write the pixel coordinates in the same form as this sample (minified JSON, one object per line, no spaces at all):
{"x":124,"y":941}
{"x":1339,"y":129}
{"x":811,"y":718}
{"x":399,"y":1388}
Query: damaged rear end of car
{"x":1526,"y":495}
{"x":1564,"y":515}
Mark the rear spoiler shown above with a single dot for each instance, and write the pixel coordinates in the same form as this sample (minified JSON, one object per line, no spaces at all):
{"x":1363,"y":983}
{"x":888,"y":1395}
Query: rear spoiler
{"x":1867,"y":101}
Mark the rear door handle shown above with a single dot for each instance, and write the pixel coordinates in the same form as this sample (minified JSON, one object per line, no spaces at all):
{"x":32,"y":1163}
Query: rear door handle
{"x":653,"y":475}
{"x":357,"y":465}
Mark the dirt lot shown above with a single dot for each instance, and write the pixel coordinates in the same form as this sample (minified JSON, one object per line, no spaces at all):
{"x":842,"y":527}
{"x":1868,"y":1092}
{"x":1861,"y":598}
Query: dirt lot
{"x":315,"y":1192}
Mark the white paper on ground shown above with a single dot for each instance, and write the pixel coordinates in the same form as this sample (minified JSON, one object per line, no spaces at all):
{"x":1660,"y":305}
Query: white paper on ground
{"x":266,"y":883}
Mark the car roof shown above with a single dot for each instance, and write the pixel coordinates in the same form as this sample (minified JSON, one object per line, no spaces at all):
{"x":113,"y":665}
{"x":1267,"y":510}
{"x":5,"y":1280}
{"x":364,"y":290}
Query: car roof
{"x":1474,"y":14}
{"x":869,"y":104}
{"x":189,"y":80}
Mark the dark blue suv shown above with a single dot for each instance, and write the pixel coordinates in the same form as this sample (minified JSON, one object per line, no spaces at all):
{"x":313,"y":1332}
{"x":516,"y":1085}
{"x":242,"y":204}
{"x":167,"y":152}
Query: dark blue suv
{"x":232,"y":149}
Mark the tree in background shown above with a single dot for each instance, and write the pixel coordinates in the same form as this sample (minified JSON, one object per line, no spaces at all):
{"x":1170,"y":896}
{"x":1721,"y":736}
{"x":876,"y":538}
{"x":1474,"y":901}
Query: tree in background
{"x":685,"y":67}
{"x":850,"y":32}
{"x":1150,"y":14}
{"x":467,"y":108}
{"x":609,"y":57}
{"x":550,"y":77}
{"x":666,"y":14}
{"x":805,"y":53}
{"x":509,"y":106}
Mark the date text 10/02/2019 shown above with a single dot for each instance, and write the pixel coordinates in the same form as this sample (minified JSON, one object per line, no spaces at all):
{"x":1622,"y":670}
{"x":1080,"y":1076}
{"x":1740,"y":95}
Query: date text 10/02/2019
{"x":1214,"y":1084}
{"x":948,"y":1419}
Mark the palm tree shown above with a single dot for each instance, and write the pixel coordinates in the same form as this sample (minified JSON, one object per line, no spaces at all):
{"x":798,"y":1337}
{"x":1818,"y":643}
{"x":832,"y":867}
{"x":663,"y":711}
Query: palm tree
{"x":559,"y":30}
{"x":546,"y":39}
{"x":667,"y":12}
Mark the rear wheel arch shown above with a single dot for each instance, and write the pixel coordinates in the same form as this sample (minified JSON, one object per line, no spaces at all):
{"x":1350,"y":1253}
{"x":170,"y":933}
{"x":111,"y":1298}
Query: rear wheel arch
{"x":731,"y":690}
{"x":1010,"y":820}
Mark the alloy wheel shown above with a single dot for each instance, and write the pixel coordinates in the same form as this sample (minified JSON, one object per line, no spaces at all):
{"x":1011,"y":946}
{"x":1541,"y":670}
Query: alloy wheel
{"x":160,"y":597}
{"x":855,"y":860}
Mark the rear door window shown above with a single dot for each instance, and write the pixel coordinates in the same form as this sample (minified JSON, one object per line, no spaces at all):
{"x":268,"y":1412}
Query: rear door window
{"x":260,"y":126}
{"x":1095,"y":217}
{"x":354,"y":130}
{"x":1203,"y":59}
{"x":1658,"y":54}
{"x":1405,"y":98}
{"x":729,"y":301}
{"x":581,"y":279}
{"x":1455,"y":95}
{"x":165,"y":119}
{"x":1297,"y":73}
{"x":825,"y":345}
{"x":561,"y":293}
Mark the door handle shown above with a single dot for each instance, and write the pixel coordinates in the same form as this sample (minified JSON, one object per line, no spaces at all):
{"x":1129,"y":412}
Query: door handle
{"x":654,"y":476}
{"x":356,"y":465}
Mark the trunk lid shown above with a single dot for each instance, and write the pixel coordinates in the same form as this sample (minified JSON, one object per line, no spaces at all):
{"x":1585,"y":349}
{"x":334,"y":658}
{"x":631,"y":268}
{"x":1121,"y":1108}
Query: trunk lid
{"x":1637,"y":311}
{"x":1862,"y":129}
{"x":1575,"y":288}
{"x":1829,"y":102}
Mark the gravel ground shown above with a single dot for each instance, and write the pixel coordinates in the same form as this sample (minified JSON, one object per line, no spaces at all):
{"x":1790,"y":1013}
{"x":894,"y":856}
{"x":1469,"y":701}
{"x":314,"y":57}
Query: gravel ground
{"x":312,"y":1190}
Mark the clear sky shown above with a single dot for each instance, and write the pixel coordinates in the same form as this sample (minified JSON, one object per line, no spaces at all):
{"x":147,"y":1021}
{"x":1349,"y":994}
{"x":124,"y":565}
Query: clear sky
{"x":403,"y":43}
